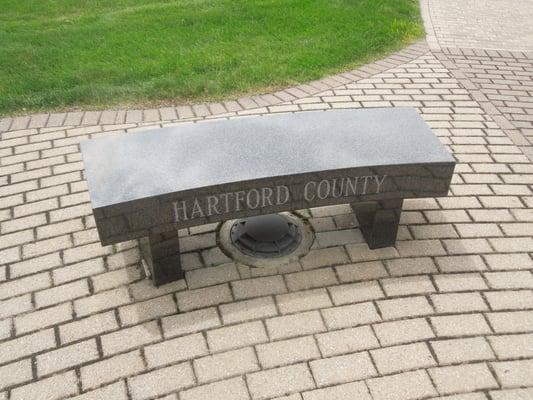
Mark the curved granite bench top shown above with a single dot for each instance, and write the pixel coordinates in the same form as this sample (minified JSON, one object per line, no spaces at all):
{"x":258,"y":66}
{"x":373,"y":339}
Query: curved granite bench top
{"x":195,"y":155}
{"x":149,"y":182}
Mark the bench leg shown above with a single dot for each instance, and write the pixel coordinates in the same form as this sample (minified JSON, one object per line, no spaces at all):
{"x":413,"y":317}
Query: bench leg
{"x":162,"y":254}
{"x":379,"y":221}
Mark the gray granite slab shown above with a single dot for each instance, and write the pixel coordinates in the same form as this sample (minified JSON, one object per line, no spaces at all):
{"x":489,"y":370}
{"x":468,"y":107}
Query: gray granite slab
{"x":197,"y":155}
{"x":146,"y":183}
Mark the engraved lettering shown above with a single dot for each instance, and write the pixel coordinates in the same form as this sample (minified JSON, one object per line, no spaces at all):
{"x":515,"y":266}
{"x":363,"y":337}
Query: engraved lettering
{"x":351,"y":187}
{"x":225,"y":196}
{"x":379,"y":183}
{"x":282,"y":190}
{"x":212,"y":203}
{"x":341,"y":188}
{"x":324,"y":184}
{"x":307,"y":195}
{"x":364,"y":185}
{"x":253,"y":203}
{"x":239,"y":200}
{"x":196,"y":209}
{"x":266,"y":198}
{"x":251,"y":199}
{"x":181,"y":208}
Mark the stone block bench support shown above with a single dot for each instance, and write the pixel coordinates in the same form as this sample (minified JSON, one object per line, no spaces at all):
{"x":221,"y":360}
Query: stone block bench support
{"x":148,"y":185}
{"x":379,"y":221}
{"x":161,"y":253}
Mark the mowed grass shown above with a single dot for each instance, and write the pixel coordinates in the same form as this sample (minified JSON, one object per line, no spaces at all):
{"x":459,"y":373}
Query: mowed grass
{"x":64,"y":54}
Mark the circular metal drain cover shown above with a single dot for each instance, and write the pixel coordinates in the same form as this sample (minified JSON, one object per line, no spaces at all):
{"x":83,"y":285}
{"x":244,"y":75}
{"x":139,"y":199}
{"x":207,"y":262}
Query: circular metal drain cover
{"x":269,"y":241}
{"x":266,"y":236}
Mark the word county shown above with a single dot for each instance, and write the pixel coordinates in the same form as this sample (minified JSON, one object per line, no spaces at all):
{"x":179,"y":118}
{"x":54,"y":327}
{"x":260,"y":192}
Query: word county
{"x":275,"y":196}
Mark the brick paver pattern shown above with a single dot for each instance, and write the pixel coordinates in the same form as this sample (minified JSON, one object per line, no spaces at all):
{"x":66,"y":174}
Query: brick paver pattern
{"x":445,"y":314}
{"x":484,"y":24}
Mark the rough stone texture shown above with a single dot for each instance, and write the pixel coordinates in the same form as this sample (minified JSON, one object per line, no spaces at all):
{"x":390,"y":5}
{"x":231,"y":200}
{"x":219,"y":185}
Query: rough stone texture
{"x":462,"y":308}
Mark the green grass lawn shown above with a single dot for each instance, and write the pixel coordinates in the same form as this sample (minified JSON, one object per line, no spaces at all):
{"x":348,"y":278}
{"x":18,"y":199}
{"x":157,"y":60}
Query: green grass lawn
{"x":64,"y":54}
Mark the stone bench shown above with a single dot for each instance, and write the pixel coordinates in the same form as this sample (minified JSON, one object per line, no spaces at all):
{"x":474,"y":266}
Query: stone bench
{"x":149,"y":184}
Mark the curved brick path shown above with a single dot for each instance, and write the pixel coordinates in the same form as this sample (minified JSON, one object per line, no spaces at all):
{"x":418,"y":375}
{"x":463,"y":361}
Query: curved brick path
{"x":448,"y":312}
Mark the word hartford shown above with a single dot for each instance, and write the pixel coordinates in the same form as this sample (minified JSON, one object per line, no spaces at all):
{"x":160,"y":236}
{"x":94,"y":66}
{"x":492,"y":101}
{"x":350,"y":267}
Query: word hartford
{"x":254,"y":198}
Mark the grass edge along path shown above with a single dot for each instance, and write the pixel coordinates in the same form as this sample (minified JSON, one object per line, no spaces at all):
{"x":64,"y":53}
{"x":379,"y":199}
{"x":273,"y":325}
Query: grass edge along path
{"x":95,"y":54}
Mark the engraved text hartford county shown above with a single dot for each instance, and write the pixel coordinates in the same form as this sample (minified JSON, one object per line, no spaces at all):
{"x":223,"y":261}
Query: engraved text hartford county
{"x":262,"y":197}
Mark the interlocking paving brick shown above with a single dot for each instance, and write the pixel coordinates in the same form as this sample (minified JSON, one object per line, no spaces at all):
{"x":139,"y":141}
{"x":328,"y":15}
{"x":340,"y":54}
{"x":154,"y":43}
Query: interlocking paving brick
{"x":346,"y":340}
{"x":256,"y":287}
{"x":324,"y":257}
{"x":205,"y":297}
{"x":455,"y":351}
{"x":67,"y":357}
{"x":407,"y":285}
{"x":350,"y":315}
{"x":55,"y":387}
{"x":404,"y":307}
{"x":361,"y":252}
{"x":460,"y":325}
{"x":397,"y":332}
{"x":241,"y":311}
{"x":5,"y":328}
{"x":354,"y":390}
{"x":411,"y":266}
{"x":231,"y":389}
{"x":511,"y":394}
{"x":458,"y":302}
{"x":407,"y":385}
{"x":287,"y":352}
{"x":295,"y":325}
{"x":21,"y":286}
{"x":59,"y":294}
{"x":461,"y":263}
{"x":512,"y":346}
{"x":361,"y":271}
{"x":509,"y":322}
{"x":464,"y":396}
{"x":225,"y":365}
{"x":129,"y":338}
{"x":115,"y":391}
{"x":102,"y":301}
{"x":236,"y":336}
{"x":342,"y":369}
{"x":356,"y":292}
{"x":402,"y":358}
{"x":26,"y":345}
{"x":161,"y":381}
{"x":146,"y":310}
{"x":212,"y":276}
{"x":509,"y":261}
{"x":510,"y":280}
{"x":311,"y":279}
{"x":111,"y":369}
{"x":15,"y":373}
{"x":510,"y":299}
{"x":462,"y":378}
{"x":43,"y":318}
{"x":194,"y":321}
{"x":280,"y":381}
{"x":87,"y":327}
{"x":303,"y":301}
{"x":514,"y":373}
{"x":460,"y":282}
{"x":179,"y":349}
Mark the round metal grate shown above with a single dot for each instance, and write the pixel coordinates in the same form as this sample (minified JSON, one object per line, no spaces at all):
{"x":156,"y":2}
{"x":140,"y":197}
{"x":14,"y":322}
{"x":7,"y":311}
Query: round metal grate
{"x":265,"y":236}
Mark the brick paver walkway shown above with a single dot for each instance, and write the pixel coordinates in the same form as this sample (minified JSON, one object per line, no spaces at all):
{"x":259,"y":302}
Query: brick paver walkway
{"x":482,"y":24}
{"x":448,"y":311}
